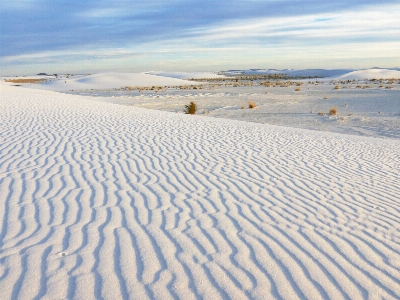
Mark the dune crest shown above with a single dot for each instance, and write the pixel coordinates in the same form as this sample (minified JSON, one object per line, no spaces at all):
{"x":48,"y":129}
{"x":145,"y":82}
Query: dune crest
{"x":110,"y":80}
{"x":371,"y":74}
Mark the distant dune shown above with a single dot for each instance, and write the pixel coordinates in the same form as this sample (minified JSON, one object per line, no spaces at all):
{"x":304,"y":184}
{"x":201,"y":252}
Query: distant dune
{"x":159,"y":78}
{"x":331,"y":73}
{"x":291,"y":72}
{"x":188,"y":75}
{"x":371,"y":74}
{"x":110,"y":80}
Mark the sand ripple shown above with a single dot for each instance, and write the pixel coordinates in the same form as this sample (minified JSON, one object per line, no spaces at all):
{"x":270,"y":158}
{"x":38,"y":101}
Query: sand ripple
{"x":106,"y":201}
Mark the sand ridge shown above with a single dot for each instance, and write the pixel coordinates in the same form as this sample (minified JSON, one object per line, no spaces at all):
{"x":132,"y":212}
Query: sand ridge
{"x":107,"y":81}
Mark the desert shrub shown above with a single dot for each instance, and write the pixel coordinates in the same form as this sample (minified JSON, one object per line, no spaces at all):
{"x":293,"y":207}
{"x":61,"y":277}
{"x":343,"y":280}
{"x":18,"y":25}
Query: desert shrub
{"x":191,"y":108}
{"x":252,"y":104}
{"x":333,"y":112}
{"x":25,"y":80}
{"x":297,"y":90}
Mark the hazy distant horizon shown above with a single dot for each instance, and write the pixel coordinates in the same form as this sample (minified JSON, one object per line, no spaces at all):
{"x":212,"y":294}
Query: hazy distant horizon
{"x":247,"y":71}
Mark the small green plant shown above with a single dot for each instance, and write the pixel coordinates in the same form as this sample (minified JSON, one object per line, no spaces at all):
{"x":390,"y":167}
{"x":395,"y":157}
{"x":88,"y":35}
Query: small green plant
{"x":191,"y":108}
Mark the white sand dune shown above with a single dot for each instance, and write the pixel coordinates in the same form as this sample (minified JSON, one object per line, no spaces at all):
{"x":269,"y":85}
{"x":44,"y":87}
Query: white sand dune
{"x":371,"y":74}
{"x":107,"y":201}
{"x":187,"y":75}
{"x":292,"y":72}
{"x":110,"y":80}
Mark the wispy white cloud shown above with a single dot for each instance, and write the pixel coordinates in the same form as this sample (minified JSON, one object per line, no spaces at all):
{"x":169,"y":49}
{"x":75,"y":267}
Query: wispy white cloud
{"x":374,"y":22}
{"x":99,"y":13}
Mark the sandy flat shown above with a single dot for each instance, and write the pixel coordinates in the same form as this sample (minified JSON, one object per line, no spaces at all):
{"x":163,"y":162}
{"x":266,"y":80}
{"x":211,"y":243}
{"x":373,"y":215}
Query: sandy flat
{"x":364,"y":107}
{"x":99,"y":200}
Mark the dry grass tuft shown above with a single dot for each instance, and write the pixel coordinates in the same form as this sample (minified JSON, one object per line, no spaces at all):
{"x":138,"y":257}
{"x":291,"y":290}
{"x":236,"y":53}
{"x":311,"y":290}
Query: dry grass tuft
{"x":252,"y":104}
{"x":190,"y":109}
{"x":320,"y":113}
{"x":297,"y":90}
{"x":333,"y":111}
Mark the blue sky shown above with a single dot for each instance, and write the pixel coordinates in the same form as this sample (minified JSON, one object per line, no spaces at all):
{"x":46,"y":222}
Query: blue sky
{"x":67,"y":36}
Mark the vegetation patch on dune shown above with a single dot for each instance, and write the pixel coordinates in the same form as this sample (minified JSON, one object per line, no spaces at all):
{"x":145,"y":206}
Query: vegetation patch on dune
{"x":25,"y":80}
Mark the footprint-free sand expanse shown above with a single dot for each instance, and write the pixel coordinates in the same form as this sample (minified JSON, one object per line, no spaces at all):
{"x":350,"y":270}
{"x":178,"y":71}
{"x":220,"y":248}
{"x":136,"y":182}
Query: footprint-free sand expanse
{"x":364,"y":106}
{"x":371,"y":111}
{"x":99,"y":200}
